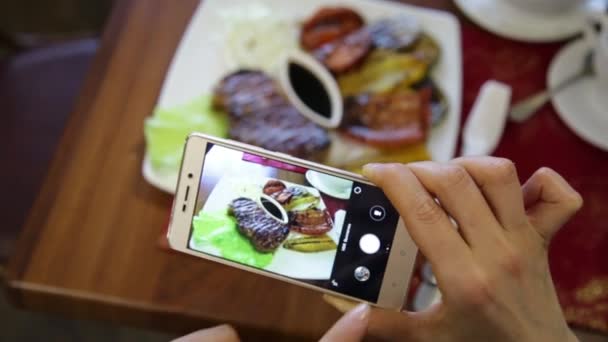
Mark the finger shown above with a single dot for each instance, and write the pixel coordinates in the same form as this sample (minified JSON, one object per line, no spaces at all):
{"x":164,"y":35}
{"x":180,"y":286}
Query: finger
{"x":497,"y":179}
{"x":221,"y":333}
{"x":427,"y":224}
{"x":351,"y":327}
{"x":341,"y":304}
{"x":550,"y":201}
{"x":462,"y":199}
{"x":389,"y":325}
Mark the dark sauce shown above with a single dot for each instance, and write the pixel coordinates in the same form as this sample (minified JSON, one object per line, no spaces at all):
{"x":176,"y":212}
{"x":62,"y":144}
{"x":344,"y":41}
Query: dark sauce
{"x":309,"y":89}
{"x":272,"y":209}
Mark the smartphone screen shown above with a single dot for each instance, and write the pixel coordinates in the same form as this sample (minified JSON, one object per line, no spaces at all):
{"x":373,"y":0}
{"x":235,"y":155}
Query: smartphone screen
{"x":299,"y":223}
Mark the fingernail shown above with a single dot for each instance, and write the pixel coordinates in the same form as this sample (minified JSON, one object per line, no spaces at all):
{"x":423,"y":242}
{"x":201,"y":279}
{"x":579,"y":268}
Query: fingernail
{"x":361,"y":312}
{"x":370,"y":169}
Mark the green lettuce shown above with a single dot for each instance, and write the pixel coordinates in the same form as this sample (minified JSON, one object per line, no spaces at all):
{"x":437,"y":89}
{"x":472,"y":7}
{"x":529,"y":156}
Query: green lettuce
{"x":167,"y":129}
{"x":220,"y":230}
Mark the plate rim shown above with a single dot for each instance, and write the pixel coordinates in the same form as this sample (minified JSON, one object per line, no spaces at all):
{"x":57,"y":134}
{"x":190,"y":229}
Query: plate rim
{"x":557,"y":104}
{"x":479,"y":20}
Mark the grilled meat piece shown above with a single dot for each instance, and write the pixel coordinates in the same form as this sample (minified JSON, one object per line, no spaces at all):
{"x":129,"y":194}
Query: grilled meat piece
{"x":310,"y":221}
{"x":286,"y":195}
{"x":265,"y":233}
{"x":245,"y":91}
{"x":388,"y":120}
{"x":282,"y":196}
{"x":344,"y":54}
{"x":328,"y":24}
{"x":260,"y":115}
{"x":273,"y":186}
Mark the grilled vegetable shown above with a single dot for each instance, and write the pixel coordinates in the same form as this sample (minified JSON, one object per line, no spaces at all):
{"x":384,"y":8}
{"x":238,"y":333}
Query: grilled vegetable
{"x":382,"y":71}
{"x":426,"y":50}
{"x":310,"y":244}
{"x":302,"y":202}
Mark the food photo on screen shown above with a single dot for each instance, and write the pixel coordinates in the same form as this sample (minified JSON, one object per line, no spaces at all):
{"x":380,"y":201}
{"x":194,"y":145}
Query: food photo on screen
{"x":268,"y":214}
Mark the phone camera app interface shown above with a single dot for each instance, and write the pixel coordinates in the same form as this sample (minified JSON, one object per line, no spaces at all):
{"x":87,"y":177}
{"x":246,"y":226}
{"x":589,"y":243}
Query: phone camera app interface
{"x":299,"y":223}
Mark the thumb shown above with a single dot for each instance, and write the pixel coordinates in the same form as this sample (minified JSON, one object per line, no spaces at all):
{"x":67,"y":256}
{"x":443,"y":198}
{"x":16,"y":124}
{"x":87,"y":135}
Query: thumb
{"x":351,"y":327}
{"x":550,"y":201}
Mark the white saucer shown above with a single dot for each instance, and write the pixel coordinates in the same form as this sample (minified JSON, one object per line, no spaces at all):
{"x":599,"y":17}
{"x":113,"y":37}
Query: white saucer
{"x":314,"y":179}
{"x":506,"y":20}
{"x":579,"y":105}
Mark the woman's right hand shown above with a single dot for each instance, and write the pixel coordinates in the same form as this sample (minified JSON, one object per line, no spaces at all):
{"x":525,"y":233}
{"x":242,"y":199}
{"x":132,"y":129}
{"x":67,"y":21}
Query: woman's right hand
{"x":493,"y":270}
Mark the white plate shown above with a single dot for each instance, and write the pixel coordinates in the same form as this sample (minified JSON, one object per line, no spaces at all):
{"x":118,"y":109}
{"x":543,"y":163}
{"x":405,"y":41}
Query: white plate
{"x":199,"y":62}
{"x":286,"y":262}
{"x":506,"y":20}
{"x":580,"y":105}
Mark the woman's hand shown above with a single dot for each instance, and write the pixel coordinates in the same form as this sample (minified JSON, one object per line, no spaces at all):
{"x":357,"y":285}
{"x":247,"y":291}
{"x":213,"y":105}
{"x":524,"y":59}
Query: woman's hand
{"x":493,"y":270}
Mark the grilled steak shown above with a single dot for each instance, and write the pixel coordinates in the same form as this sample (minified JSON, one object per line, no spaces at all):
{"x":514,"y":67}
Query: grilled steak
{"x":273,"y":186}
{"x":260,"y":115}
{"x":265,"y":233}
{"x":310,"y":221}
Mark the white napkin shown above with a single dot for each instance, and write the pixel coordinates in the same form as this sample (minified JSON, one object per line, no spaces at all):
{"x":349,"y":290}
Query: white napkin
{"x":486,"y":122}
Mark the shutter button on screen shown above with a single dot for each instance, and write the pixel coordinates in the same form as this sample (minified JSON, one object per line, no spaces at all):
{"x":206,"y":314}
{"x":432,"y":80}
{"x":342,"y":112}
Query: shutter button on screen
{"x":369,"y":243}
{"x":361,"y":273}
{"x":377,"y":213}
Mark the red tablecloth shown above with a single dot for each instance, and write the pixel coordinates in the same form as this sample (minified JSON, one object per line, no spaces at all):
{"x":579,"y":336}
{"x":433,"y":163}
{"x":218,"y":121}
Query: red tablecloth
{"x":579,"y":252}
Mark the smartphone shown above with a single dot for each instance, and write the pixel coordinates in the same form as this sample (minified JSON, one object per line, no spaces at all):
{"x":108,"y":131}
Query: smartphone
{"x":290,"y":219}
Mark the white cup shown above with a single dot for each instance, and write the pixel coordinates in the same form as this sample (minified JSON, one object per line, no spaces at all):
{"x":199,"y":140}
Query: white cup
{"x":547,"y":6}
{"x":598,"y":43}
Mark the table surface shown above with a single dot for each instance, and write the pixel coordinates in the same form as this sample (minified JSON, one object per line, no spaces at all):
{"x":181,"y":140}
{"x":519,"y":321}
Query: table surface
{"x":89,"y":247}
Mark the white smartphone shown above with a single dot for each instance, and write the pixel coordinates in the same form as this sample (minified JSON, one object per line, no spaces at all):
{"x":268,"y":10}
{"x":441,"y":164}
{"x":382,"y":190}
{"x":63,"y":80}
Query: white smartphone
{"x":292,"y":220}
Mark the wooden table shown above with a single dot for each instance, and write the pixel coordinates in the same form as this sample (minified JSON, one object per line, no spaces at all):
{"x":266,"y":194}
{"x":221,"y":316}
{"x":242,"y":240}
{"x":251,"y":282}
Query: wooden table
{"x":89,"y":247}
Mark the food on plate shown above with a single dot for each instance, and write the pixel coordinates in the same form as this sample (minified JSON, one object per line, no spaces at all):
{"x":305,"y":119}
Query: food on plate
{"x":310,"y":244}
{"x":388,"y":120}
{"x":166,"y":130}
{"x":260,"y":115}
{"x":328,"y":24}
{"x":395,"y":33}
{"x":381,"y":71}
{"x":310,"y":221}
{"x":439,"y":103}
{"x":290,"y":197}
{"x":265,"y":232}
{"x":426,"y":50}
{"x":257,"y":37}
{"x":219,"y":230}
{"x":346,"y":53}
{"x":350,"y":154}
{"x":273,"y":186}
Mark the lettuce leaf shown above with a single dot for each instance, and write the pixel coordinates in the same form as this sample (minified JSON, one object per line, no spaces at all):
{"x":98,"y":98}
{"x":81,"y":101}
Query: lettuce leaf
{"x":220,"y":231}
{"x":167,"y":129}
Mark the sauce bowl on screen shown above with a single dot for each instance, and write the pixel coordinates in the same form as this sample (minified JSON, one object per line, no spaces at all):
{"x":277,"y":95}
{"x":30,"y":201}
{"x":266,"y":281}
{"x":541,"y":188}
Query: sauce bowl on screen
{"x":311,"y":89}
